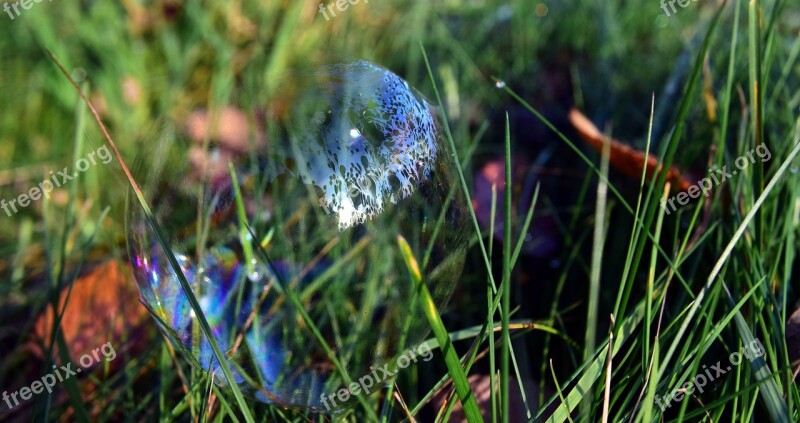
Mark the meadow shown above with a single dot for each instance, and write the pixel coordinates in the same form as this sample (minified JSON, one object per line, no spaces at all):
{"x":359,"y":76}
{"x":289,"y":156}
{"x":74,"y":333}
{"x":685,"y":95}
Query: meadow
{"x":545,"y":224}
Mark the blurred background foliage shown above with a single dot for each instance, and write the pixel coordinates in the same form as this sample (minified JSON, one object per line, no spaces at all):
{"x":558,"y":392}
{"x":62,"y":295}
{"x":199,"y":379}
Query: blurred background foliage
{"x":145,"y":61}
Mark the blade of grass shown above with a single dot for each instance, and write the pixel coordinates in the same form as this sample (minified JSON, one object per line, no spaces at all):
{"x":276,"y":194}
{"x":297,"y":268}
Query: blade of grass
{"x":769,"y":389}
{"x":596,"y":266}
{"x":468,"y":402}
{"x":591,"y":371}
{"x":657,"y":184}
{"x":650,"y":360}
{"x":505,"y":309}
{"x":490,"y":311}
{"x":558,"y":388}
{"x":60,"y":282}
{"x":187,"y":289}
{"x":462,"y":180}
{"x":726,"y":253}
{"x":609,"y":356}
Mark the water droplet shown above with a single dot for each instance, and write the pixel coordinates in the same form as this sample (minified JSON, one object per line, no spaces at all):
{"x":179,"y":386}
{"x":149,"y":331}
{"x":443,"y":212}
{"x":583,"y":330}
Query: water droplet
{"x":500,"y":84}
{"x":356,"y":160}
{"x":79,"y":74}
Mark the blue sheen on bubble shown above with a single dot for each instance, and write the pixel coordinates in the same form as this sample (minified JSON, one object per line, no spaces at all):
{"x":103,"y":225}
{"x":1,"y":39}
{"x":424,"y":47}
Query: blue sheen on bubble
{"x":355,"y":160}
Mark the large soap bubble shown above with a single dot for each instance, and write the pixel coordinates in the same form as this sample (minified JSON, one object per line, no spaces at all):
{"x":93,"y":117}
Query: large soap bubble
{"x":338,"y":163}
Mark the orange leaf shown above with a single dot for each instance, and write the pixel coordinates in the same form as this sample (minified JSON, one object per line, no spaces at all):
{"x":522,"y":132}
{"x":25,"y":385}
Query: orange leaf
{"x":103,"y":307}
{"x":622,"y":157}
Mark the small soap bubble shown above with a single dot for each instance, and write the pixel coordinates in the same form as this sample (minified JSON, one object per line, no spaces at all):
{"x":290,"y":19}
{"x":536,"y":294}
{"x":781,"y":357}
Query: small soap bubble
{"x":500,"y":84}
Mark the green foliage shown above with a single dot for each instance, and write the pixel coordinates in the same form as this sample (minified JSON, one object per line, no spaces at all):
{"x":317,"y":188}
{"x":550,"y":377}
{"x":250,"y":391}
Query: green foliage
{"x":685,"y":290}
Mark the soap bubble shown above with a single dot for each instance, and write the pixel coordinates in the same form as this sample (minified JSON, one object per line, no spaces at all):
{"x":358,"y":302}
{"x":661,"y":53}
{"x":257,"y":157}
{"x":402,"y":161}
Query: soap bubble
{"x":339,"y":162}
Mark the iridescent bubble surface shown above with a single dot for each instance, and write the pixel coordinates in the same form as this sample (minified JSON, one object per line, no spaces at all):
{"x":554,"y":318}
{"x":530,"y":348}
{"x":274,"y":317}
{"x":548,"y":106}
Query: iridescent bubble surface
{"x":339,"y":162}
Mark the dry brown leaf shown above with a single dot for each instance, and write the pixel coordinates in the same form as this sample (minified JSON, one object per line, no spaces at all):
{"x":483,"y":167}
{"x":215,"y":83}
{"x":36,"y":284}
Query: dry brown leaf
{"x":103,"y":307}
{"x":622,"y":157}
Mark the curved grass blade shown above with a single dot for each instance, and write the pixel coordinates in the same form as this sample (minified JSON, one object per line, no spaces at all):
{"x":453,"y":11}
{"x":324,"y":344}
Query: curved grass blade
{"x":162,"y":240}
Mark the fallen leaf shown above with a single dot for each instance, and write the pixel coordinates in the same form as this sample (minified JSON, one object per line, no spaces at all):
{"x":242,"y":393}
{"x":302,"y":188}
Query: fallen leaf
{"x":103,"y":307}
{"x":622,"y":157}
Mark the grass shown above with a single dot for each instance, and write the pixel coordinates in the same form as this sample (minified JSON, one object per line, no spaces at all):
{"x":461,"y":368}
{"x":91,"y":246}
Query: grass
{"x":653,"y":299}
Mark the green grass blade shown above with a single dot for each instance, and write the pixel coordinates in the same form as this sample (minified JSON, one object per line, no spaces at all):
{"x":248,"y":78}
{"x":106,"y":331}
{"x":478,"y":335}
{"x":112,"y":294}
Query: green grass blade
{"x":769,"y":389}
{"x":162,"y":240}
{"x":460,"y":172}
{"x":597,"y":261}
{"x":468,"y":402}
{"x":505,"y":309}
{"x":727,"y":251}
